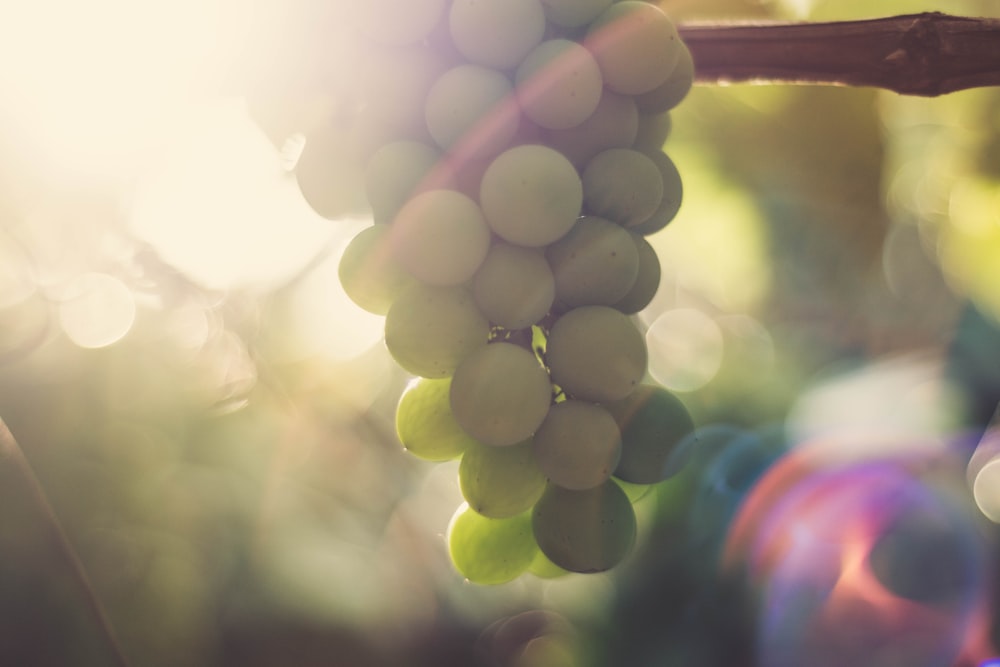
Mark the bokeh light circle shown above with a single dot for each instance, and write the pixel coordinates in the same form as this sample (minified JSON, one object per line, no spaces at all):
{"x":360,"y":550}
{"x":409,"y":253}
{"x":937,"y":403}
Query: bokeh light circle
{"x":685,"y":349}
{"x":96,"y":310}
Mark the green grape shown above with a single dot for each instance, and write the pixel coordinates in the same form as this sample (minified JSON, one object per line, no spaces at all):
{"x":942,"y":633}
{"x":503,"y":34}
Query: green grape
{"x":558,"y":84}
{"x":500,"y":394}
{"x":531,"y":195}
{"x":584,"y":531}
{"x":425,"y":425}
{"x":622,"y":185}
{"x":500,"y":482}
{"x":330,"y":176}
{"x":635,"y":44}
{"x":613,"y":124}
{"x":369,"y":273}
{"x":596,"y":263}
{"x":396,"y":172}
{"x":653,"y":421}
{"x":398,"y":23}
{"x":543,"y":568}
{"x":647,"y":280}
{"x":652,"y":131}
{"x":394,"y":83}
{"x":573,"y":13}
{"x":673,"y":195}
{"x":635,"y":492}
{"x":595,"y":353}
{"x":496,"y":33}
{"x":429,"y":330}
{"x":441,"y":237}
{"x":490,"y":551}
{"x":470,"y":111}
{"x":669,"y":94}
{"x":514,"y":287}
{"x":578,"y":445}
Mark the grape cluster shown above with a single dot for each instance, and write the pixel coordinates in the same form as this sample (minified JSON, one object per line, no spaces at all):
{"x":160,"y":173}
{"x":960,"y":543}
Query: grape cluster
{"x":514,"y":173}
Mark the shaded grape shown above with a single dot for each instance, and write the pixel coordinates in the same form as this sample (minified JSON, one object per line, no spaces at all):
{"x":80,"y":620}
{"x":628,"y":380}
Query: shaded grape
{"x":424,"y":422}
{"x":652,"y":131}
{"x":578,"y":445}
{"x":595,"y":353}
{"x":490,"y":551}
{"x":496,"y":33}
{"x":558,"y":84}
{"x":394,"y":173}
{"x":584,"y":531}
{"x":635,"y":44}
{"x":330,"y":176}
{"x":647,"y":279}
{"x":622,"y":185}
{"x":500,"y":394}
{"x":369,"y":273}
{"x":669,"y":94}
{"x":595,"y":263}
{"x":429,"y":330}
{"x":673,"y":195}
{"x":514,"y":286}
{"x":573,"y":13}
{"x":614,"y":124}
{"x":653,"y":421}
{"x":500,"y":482}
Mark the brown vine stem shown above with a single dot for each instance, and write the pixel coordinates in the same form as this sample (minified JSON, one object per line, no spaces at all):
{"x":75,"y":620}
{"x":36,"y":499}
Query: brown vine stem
{"x":11,"y":453}
{"x":925,"y":54}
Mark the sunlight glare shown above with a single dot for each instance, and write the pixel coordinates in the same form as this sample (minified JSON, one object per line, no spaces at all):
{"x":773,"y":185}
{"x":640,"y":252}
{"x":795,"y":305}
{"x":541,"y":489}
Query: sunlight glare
{"x":98,"y":310}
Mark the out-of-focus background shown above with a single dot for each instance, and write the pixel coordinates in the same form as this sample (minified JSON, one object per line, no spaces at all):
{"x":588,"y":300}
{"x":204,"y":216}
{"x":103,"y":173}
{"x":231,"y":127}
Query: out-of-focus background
{"x":211,"y":418}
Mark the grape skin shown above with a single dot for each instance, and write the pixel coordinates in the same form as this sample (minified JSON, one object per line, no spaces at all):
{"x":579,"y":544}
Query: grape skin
{"x":558,"y":84}
{"x":425,"y":425}
{"x":490,"y":551}
{"x":614,"y":124}
{"x":647,"y":280}
{"x":596,"y":263}
{"x":500,"y":482}
{"x":578,"y":445}
{"x":574,"y":13}
{"x":394,"y":173}
{"x":496,"y":33}
{"x":622,"y":185}
{"x":369,"y":273}
{"x":514,"y":286}
{"x":673,"y":194}
{"x":669,"y":94}
{"x":653,"y":422}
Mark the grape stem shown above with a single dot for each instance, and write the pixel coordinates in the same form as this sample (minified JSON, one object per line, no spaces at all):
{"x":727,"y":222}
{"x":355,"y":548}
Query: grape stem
{"x":926,"y":54}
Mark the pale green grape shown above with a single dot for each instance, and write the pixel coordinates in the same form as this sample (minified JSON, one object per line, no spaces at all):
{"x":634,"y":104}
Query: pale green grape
{"x":647,"y":280}
{"x":396,"y":172}
{"x":490,"y":551}
{"x":471,"y":111}
{"x":584,"y":531}
{"x":330,"y":175}
{"x":394,"y":83}
{"x":531,"y":195}
{"x":596,"y":263}
{"x":496,"y":33}
{"x":673,"y":195}
{"x":514,"y":286}
{"x":398,"y":23}
{"x":614,"y":124}
{"x":595,"y":353}
{"x":429,"y":330}
{"x":635,"y":44}
{"x":653,"y":421}
{"x":558,"y":84}
{"x":573,"y":13}
{"x":578,"y":445}
{"x":622,"y":185}
{"x":500,"y":482}
{"x":441,"y":237}
{"x":500,"y":394}
{"x":635,"y":492}
{"x":669,"y":94}
{"x":425,"y":425}
{"x":543,"y":568}
{"x":369,"y":272}
{"x":652,"y":131}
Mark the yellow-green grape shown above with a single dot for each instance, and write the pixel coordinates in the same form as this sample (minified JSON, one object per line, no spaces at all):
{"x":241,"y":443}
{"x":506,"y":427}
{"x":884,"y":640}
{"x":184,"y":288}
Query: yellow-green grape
{"x":635,"y":492}
{"x":429,"y":330}
{"x":622,"y":185}
{"x":584,"y":531}
{"x":394,"y":83}
{"x":496,"y":33}
{"x":514,"y":286}
{"x":543,"y":568}
{"x":558,"y":84}
{"x":369,"y":272}
{"x":500,"y":482}
{"x":330,"y":176}
{"x":596,"y":263}
{"x":490,"y":551}
{"x":647,"y":280}
{"x":595,"y":353}
{"x":500,"y":394}
{"x":614,"y":124}
{"x":669,"y":94}
{"x":470,"y":110}
{"x":653,"y":422}
{"x":635,"y":44}
{"x":578,"y":445}
{"x":531,"y":195}
{"x":398,"y":23}
{"x":573,"y":13}
{"x":673,"y":195}
{"x":395,"y":173}
{"x":652,"y":131}
{"x":425,"y":425}
{"x":441,"y":237}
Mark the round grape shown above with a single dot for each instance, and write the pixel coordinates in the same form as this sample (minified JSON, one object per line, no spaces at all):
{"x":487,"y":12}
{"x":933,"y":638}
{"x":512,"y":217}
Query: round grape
{"x":490,"y":551}
{"x":614,"y":124}
{"x":653,"y":422}
{"x":596,"y":263}
{"x":635,"y":44}
{"x":496,"y":33}
{"x":424,"y":423}
{"x":673,"y":195}
{"x":622,"y":185}
{"x":669,"y":94}
{"x":500,"y":482}
{"x":578,"y":445}
{"x":652,"y":131}
{"x":396,"y":172}
{"x":369,"y":273}
{"x":514,"y":287}
{"x":558,"y":84}
{"x":573,"y":13}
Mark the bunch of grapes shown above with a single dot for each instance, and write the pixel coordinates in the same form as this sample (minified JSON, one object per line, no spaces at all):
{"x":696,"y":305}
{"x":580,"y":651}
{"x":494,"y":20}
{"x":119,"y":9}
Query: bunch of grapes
{"x":515,"y":171}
